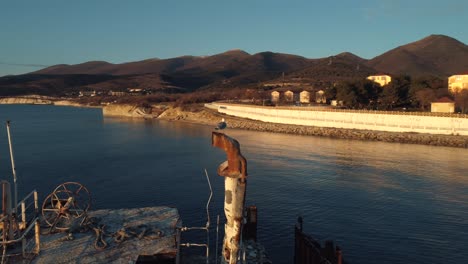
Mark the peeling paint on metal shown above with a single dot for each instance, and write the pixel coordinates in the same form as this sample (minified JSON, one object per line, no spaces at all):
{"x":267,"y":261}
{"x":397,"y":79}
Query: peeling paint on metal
{"x":228,"y":197}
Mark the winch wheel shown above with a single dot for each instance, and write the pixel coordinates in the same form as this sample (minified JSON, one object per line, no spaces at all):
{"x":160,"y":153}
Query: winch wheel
{"x":69,"y":201}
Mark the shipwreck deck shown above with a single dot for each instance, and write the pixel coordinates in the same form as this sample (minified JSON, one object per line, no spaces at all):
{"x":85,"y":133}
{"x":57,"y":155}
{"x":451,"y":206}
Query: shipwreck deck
{"x":147,"y":231}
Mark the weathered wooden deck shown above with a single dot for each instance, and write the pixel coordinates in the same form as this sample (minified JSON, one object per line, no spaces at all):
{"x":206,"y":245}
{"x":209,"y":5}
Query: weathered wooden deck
{"x":151,"y":230}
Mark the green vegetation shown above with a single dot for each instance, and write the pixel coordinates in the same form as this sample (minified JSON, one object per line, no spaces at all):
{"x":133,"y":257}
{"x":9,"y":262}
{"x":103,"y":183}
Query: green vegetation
{"x":461,"y":100}
{"x":403,"y":92}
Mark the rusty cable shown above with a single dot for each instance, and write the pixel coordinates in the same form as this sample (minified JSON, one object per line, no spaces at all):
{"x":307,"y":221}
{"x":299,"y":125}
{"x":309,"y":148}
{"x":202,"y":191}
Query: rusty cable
{"x":99,"y":243}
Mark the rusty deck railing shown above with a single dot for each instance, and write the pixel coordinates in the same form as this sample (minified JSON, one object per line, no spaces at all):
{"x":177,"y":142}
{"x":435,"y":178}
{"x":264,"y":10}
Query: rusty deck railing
{"x":308,"y":251}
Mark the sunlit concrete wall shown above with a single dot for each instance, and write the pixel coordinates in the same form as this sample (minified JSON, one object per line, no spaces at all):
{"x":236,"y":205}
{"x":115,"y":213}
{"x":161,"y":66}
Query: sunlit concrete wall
{"x":351,"y":120}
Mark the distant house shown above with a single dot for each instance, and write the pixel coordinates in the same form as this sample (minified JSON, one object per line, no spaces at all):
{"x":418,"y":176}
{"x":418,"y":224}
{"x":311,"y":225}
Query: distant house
{"x":320,"y":97}
{"x":135,"y":90}
{"x":336,"y":103}
{"x":457,"y":82}
{"x":87,"y":93}
{"x":289,"y":96}
{"x":381,"y":79}
{"x":117,"y":93}
{"x":304,"y":97}
{"x":443,"y":105}
{"x":275,"y":96}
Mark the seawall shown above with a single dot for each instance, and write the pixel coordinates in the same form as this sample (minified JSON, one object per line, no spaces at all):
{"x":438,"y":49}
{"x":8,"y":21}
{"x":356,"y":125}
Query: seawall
{"x":360,"y":120}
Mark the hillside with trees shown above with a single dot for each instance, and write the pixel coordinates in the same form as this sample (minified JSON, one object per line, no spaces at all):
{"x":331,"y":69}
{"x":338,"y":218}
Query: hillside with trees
{"x":437,"y":55}
{"x":419,"y":69}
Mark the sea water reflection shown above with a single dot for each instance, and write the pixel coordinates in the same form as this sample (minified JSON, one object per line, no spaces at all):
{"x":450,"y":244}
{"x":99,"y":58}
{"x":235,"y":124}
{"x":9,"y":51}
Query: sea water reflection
{"x":402,"y":203}
{"x":397,"y":200}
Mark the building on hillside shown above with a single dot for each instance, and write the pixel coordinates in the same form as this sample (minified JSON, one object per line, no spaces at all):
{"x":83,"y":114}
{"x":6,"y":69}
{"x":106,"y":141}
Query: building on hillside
{"x":135,"y":90}
{"x":457,"y":83}
{"x":443,"y":105}
{"x":275,"y":96}
{"x":117,"y":93}
{"x":87,"y":93}
{"x":304,"y":97}
{"x":281,"y":84}
{"x":381,"y":79}
{"x":336,"y":103}
{"x":289,"y":96}
{"x":320,"y":97}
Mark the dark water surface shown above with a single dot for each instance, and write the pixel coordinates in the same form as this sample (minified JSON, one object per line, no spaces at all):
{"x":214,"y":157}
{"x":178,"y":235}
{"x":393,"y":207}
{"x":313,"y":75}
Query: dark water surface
{"x":382,"y":202}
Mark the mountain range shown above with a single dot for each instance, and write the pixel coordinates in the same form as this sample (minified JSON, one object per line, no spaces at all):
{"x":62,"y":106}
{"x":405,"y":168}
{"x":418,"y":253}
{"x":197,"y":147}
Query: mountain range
{"x":436,"y":55}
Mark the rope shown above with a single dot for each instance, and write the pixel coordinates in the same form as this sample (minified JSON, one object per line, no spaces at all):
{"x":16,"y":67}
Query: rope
{"x":100,"y":243}
{"x":138,"y":232}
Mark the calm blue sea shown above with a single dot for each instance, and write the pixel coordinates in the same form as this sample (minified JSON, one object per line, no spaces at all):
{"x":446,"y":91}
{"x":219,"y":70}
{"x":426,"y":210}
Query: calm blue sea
{"x":381,"y":202}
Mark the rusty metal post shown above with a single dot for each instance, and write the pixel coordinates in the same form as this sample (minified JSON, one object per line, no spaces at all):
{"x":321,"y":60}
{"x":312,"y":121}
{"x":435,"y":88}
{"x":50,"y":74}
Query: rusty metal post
{"x":250,"y":227}
{"x":37,"y":236}
{"x":37,"y":227}
{"x":339,"y":256}
{"x":234,"y":171}
{"x":329,"y":251}
{"x":7,"y":212}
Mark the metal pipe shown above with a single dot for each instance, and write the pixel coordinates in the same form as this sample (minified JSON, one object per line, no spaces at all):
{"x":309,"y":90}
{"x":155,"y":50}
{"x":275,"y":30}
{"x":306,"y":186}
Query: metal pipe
{"x":36,"y":202}
{"x":177,"y":240}
{"x":234,"y":171}
{"x":207,"y":225}
{"x":23,"y":212}
{"x":37,"y":233}
{"x":209,"y":200}
{"x":199,"y":245}
{"x":13,"y":168}
{"x":217,"y":242}
{"x":7,"y":232}
{"x":34,"y":192}
{"x":22,"y":236}
{"x":193,"y":245}
{"x":208,"y":222}
{"x":185,"y":228}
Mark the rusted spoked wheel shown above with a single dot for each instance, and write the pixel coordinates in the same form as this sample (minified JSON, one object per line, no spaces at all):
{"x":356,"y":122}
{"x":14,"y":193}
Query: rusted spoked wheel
{"x":68,"y":202}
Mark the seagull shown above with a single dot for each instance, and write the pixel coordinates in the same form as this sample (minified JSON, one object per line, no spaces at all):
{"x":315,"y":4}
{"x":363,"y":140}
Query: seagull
{"x":221,"y":125}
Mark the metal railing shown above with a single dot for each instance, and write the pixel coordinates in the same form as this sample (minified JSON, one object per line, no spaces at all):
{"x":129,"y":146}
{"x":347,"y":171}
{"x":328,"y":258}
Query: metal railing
{"x":308,"y":251}
{"x":17,"y":227}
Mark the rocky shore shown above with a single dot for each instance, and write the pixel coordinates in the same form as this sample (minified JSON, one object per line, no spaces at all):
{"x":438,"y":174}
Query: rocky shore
{"x":40,"y":100}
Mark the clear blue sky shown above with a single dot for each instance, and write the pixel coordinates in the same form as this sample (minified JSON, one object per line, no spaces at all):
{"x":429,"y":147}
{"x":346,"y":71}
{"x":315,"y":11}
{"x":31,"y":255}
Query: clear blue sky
{"x":47,"y":32}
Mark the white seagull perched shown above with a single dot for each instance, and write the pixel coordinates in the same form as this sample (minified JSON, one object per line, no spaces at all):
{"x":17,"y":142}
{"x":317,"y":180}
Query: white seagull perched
{"x":221,"y":125}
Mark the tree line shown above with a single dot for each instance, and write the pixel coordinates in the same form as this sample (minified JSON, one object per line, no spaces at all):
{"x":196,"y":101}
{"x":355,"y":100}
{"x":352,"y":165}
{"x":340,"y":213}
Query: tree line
{"x":403,"y":92}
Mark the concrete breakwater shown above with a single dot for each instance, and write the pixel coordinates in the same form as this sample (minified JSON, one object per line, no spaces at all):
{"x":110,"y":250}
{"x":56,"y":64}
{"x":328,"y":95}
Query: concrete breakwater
{"x":211,"y":117}
{"x":411,"y":138}
{"x":342,"y":133}
{"x":362,"y":120}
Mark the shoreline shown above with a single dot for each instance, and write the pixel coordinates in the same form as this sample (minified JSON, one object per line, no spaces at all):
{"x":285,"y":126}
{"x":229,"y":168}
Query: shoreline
{"x":204,"y":116}
{"x":209,"y":117}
